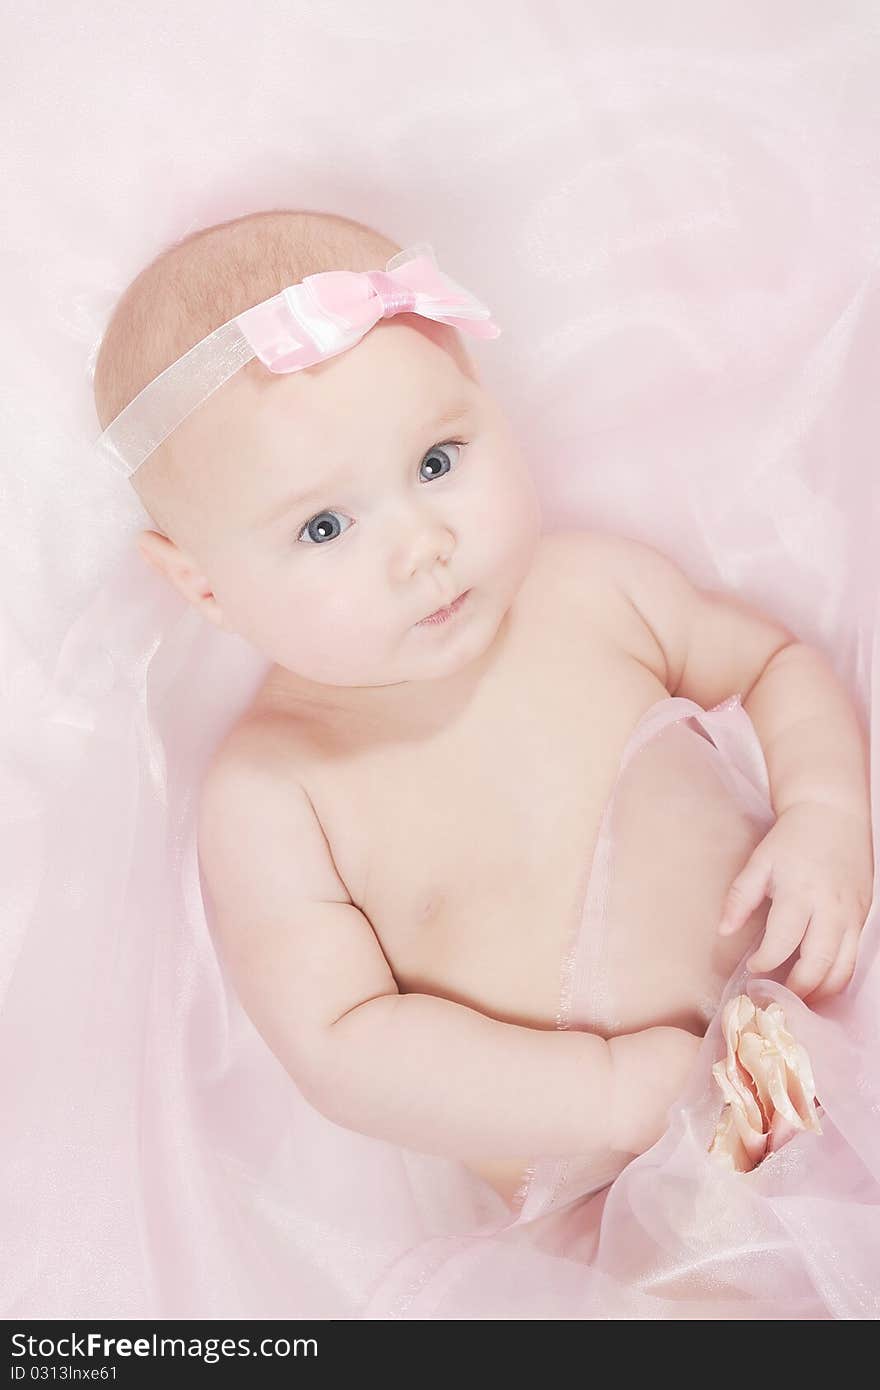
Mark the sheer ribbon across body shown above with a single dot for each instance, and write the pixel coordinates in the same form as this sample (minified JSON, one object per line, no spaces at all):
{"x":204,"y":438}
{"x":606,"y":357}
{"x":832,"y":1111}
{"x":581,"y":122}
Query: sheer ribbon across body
{"x":587,"y":989}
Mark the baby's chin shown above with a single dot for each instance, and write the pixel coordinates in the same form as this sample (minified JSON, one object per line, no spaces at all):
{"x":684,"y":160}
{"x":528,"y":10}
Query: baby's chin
{"x":427,"y":659}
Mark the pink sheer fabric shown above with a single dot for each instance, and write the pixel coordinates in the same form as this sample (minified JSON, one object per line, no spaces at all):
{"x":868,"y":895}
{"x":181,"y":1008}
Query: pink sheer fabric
{"x":685,"y":269}
{"x":623,"y":903}
{"x":721,"y":773}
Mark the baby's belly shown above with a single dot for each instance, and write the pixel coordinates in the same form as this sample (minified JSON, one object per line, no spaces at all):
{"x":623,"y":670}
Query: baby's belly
{"x":679,"y":837}
{"x":649,"y":952}
{"x":500,"y":940}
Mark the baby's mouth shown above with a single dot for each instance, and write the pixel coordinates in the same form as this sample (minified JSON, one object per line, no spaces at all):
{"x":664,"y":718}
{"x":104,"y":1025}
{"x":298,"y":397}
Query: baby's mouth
{"x":441,"y":614}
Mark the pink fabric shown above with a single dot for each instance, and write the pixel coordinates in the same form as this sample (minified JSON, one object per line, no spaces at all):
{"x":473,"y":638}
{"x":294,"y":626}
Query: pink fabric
{"x":591,"y":991}
{"x":594,"y":975}
{"x":673,"y":212}
{"x":348,"y":303}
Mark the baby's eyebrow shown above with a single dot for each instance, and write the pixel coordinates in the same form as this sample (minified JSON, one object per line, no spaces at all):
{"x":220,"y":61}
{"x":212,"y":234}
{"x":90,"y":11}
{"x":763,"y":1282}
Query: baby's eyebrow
{"x":450,"y":416}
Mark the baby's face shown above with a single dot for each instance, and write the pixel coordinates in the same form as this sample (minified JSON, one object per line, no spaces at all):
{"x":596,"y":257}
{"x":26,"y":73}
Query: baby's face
{"x":329,"y":510}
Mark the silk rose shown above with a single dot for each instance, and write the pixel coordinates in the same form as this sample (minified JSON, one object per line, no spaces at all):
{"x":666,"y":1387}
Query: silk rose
{"x":767,"y":1083}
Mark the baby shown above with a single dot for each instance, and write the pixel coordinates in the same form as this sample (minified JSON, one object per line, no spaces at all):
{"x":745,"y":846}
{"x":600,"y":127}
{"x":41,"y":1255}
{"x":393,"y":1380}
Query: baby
{"x":394,"y":835}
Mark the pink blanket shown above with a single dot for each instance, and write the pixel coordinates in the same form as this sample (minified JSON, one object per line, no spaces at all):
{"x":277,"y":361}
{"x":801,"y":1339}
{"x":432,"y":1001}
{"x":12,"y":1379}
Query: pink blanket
{"x":673,"y":215}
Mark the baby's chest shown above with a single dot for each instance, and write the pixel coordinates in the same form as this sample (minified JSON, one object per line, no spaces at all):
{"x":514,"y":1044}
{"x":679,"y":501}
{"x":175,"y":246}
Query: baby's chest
{"x":470,"y":854}
{"x":462,"y":841}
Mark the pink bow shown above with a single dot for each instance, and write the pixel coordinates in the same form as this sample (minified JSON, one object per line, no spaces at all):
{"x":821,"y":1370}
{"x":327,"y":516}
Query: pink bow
{"x":327,"y":313}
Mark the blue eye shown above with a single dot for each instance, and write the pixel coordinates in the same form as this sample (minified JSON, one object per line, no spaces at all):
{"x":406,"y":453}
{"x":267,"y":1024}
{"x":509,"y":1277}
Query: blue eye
{"x":323,"y":527}
{"x":316,"y":528}
{"x":442,"y":449}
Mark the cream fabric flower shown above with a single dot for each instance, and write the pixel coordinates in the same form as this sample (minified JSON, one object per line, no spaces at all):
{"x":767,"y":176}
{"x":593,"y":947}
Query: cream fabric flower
{"x":767,"y":1083}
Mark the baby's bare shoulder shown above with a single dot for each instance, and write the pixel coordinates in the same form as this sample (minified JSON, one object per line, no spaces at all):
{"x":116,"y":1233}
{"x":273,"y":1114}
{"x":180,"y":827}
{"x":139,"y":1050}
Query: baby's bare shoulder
{"x":584,"y":563}
{"x":585,"y":575}
{"x":590,"y":560}
{"x":260,"y":746}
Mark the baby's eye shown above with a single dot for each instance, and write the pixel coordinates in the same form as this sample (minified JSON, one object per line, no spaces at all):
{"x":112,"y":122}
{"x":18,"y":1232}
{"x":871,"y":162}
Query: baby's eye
{"x":320,"y":527}
{"x":442,"y":449}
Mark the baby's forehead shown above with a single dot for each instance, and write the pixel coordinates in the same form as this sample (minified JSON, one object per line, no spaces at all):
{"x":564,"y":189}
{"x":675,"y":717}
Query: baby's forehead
{"x":395,"y":377}
{"x":263,"y":432}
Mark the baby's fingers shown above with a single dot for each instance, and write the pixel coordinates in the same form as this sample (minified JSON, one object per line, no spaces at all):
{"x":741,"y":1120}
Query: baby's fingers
{"x":841,"y":972}
{"x":747,"y":891}
{"x":786,"y":923}
{"x":819,"y":952}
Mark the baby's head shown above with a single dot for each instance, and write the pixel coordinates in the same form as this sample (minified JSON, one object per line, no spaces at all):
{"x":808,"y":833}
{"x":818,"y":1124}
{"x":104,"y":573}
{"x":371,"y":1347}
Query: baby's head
{"x":390,"y":458}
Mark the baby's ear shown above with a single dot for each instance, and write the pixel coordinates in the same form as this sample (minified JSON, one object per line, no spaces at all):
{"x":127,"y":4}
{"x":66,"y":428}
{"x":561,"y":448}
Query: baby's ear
{"x":181,"y":570}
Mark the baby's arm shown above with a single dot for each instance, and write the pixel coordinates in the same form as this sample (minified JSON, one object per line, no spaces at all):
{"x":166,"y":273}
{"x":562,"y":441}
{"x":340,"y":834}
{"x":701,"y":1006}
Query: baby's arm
{"x":817,"y":861}
{"x":416,"y":1069}
{"x":435,"y":1075}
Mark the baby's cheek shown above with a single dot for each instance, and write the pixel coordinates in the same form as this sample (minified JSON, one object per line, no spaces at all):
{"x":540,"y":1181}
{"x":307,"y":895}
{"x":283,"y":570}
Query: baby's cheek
{"x":499,"y":512}
{"x":337,"y":640}
{"x":508,"y":518}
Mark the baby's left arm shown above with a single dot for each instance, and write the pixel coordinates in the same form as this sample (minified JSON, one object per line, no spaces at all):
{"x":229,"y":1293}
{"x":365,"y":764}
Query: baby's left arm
{"x":816,"y":862}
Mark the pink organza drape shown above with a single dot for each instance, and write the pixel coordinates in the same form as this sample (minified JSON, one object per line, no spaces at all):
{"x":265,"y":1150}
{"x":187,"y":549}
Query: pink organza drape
{"x":673,"y":214}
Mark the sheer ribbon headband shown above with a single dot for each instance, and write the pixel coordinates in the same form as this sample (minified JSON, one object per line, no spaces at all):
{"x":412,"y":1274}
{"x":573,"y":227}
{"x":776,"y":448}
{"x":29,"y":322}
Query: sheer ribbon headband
{"x":322,"y":315}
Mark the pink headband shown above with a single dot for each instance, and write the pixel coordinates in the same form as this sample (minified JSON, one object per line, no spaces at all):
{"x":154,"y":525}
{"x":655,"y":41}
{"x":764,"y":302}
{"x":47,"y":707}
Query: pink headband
{"x":317,"y":318}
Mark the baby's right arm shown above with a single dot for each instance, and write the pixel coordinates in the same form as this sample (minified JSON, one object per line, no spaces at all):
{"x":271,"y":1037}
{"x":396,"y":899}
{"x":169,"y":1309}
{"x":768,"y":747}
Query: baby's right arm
{"x":416,"y":1069}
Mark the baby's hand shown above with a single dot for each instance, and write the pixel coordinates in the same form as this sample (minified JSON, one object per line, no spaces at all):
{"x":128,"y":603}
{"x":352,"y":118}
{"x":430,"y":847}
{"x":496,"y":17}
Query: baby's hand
{"x":817,"y":865}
